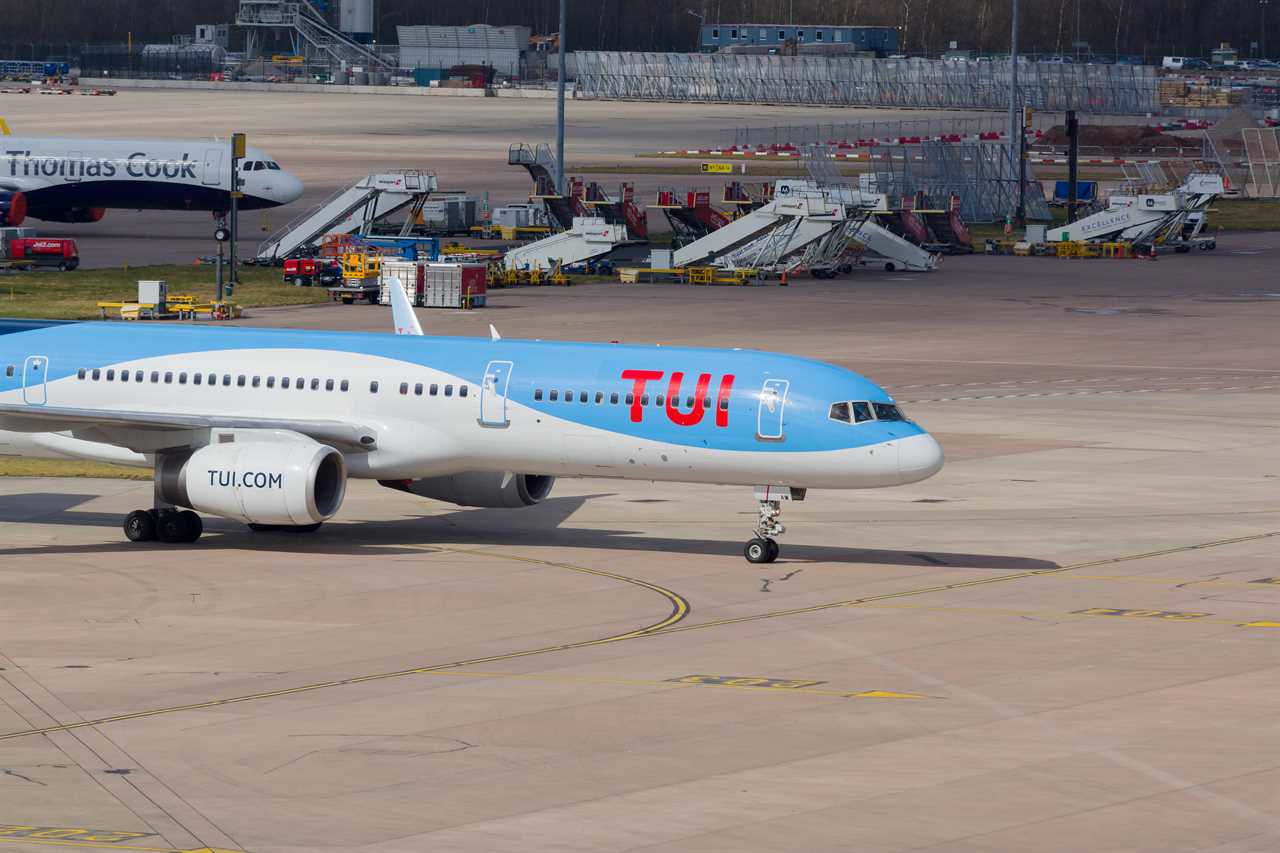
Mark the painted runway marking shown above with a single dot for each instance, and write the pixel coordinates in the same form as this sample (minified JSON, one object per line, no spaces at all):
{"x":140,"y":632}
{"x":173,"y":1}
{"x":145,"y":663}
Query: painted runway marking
{"x":663,"y":628}
{"x":746,"y":681}
{"x":15,"y":831}
{"x":1141,"y":614}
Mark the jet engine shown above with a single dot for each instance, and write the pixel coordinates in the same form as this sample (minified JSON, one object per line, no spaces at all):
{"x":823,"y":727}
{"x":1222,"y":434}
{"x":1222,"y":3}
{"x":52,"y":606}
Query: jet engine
{"x":69,"y":214}
{"x":480,"y":488}
{"x":294,"y":483}
{"x":13,"y":208}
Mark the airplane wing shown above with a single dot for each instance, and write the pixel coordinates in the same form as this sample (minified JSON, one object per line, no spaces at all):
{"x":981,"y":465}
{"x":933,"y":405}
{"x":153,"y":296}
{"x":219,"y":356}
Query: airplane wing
{"x":20,"y":185}
{"x":148,"y":431}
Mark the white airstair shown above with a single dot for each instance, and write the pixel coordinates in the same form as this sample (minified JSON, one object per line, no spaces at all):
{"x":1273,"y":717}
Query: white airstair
{"x":589,"y":237}
{"x":896,"y":252}
{"x":352,"y":211}
{"x":1145,"y":217}
{"x":763,"y":223}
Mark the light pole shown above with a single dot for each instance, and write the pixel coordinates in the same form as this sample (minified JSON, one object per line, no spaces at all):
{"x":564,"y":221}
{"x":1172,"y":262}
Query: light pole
{"x":702,"y":22}
{"x":1262,"y":6}
{"x":564,"y":43}
{"x":1015,"y":119}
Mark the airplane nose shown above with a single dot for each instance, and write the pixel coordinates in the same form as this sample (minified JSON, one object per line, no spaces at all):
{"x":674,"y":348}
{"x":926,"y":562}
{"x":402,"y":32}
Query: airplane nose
{"x":290,"y":189}
{"x":919,"y":458}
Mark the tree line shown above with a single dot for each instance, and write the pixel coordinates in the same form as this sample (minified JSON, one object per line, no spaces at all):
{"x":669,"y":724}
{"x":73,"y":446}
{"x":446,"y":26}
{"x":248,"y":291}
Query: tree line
{"x":1141,"y":27}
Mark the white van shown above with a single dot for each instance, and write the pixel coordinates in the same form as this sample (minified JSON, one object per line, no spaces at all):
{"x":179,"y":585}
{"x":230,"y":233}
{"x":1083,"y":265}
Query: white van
{"x":1173,"y":63}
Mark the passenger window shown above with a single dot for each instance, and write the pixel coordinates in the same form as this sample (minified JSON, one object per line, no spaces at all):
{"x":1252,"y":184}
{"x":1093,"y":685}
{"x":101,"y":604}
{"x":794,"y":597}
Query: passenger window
{"x":599,"y":397}
{"x":97,"y":374}
{"x":271,"y":382}
{"x":417,"y":389}
{"x":284,"y":382}
{"x":644,"y":400}
{"x":688,"y":402}
{"x":861,"y":412}
{"x":613,"y":398}
{"x":555,"y":395}
{"x":213,"y":379}
{"x":168,"y":377}
{"x":256,"y":382}
{"x":182,"y":378}
{"x":137,"y":376}
{"x":537,"y":394}
{"x":448,"y":390}
{"x":111,"y":375}
{"x":328,"y":385}
{"x":631,"y":398}
{"x":80,"y":374}
{"x":226,"y":380}
{"x":404,"y":387}
{"x":840,"y":412}
{"x":462,"y":390}
{"x":124,"y":376}
{"x":373,"y":387}
{"x":582,"y":397}
{"x":345,"y":386}
{"x":434,"y":390}
{"x":724,"y":404}
{"x":197,"y":379}
{"x":706,"y":403}
{"x":315,"y":384}
{"x":568,"y":396}
{"x":300,"y":384}
{"x":240,"y":380}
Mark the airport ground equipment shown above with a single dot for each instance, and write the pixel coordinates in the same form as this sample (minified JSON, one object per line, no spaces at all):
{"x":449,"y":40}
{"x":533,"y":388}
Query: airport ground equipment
{"x":587,"y":238}
{"x":776,"y":221}
{"x":1145,"y":218}
{"x":353,"y":211}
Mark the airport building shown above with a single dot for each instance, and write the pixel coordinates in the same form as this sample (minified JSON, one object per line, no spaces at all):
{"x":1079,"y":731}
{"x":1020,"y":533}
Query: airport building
{"x":502,"y":48}
{"x":882,"y":41}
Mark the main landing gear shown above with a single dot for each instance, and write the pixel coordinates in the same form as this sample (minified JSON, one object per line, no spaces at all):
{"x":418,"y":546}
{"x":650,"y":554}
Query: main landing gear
{"x":763,"y":548}
{"x":172,"y":526}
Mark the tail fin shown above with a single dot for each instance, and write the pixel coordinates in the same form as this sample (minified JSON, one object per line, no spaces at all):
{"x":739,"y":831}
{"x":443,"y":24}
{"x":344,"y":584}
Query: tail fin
{"x":406,"y":322}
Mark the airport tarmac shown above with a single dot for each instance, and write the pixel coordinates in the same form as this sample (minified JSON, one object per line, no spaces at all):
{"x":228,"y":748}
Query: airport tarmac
{"x":330,"y":141}
{"x":1067,"y":640}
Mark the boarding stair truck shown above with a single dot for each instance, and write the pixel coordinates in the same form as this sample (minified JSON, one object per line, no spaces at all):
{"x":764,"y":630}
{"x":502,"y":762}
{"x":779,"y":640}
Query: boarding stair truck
{"x":895,"y":252}
{"x":786,"y":248}
{"x":1144,"y":218}
{"x":353,"y":211}
{"x":775,"y":220}
{"x":587,"y":239}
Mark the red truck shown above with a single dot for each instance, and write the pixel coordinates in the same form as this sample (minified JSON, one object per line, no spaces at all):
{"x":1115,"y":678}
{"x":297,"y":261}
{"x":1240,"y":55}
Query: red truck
{"x":310,"y":272}
{"x":46,"y":252}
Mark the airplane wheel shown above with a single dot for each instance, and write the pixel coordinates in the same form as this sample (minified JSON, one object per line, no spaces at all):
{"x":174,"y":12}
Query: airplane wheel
{"x":758,"y":551}
{"x":172,"y":528}
{"x":774,"y":550}
{"x":139,"y":526}
{"x":193,"y":524}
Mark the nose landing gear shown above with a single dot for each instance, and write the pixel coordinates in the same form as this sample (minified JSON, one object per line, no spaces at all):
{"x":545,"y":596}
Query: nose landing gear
{"x":763,"y":548}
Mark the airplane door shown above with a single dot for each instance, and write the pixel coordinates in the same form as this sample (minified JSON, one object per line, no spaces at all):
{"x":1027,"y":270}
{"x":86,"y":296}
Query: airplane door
{"x":773,"y":404}
{"x":213,"y":167}
{"x":34,"y":370}
{"x":75,"y":166}
{"x":493,"y":394}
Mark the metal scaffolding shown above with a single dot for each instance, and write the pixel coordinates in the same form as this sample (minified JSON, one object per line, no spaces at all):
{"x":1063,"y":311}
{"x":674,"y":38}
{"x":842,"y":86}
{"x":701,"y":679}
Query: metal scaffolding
{"x":846,"y":81}
{"x":983,"y":176}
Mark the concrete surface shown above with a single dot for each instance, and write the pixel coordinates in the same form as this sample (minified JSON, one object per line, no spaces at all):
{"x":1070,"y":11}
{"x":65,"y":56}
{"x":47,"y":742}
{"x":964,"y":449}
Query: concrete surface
{"x":330,"y":140}
{"x":1068,"y":640}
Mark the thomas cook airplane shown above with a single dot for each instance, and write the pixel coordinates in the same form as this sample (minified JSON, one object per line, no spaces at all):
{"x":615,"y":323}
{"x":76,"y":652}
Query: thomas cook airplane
{"x":77,"y":180}
{"x":265,"y":426}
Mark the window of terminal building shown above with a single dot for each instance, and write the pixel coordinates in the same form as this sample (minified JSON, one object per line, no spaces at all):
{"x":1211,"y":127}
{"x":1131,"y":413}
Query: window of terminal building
{"x":733,"y":34}
{"x":715,"y":34}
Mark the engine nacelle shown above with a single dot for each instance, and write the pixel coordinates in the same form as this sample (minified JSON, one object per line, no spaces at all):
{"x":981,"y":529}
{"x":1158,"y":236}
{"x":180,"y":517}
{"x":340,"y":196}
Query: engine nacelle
{"x":285,"y":483}
{"x":69,"y":214}
{"x":480,"y":488}
{"x":13,"y":208}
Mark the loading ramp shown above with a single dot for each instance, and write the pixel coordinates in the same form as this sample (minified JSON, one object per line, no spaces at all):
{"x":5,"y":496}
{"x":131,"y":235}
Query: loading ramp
{"x":353,"y":211}
{"x":1144,"y":218}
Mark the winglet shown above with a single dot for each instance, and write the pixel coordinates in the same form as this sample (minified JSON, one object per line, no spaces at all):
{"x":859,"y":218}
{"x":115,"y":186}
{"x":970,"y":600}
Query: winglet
{"x":4,"y":128}
{"x":493,"y":333}
{"x":406,"y":322}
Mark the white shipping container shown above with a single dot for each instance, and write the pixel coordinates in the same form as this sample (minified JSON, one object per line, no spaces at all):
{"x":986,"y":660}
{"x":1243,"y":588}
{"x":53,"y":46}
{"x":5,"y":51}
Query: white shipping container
{"x":406,"y":272}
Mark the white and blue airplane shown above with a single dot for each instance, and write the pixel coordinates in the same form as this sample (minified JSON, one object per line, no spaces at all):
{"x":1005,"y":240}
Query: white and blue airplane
{"x":266,"y":426}
{"x":78,"y":180}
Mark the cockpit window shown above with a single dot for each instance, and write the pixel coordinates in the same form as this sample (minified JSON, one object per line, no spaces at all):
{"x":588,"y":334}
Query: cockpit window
{"x":888,"y":412}
{"x":861,"y":412}
{"x":840,"y":412}
{"x":273,"y":166}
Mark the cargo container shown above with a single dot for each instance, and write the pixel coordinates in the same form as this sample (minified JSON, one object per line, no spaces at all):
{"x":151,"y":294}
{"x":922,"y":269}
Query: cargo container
{"x":46,"y":252}
{"x":431,"y":285}
{"x":408,"y":273}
